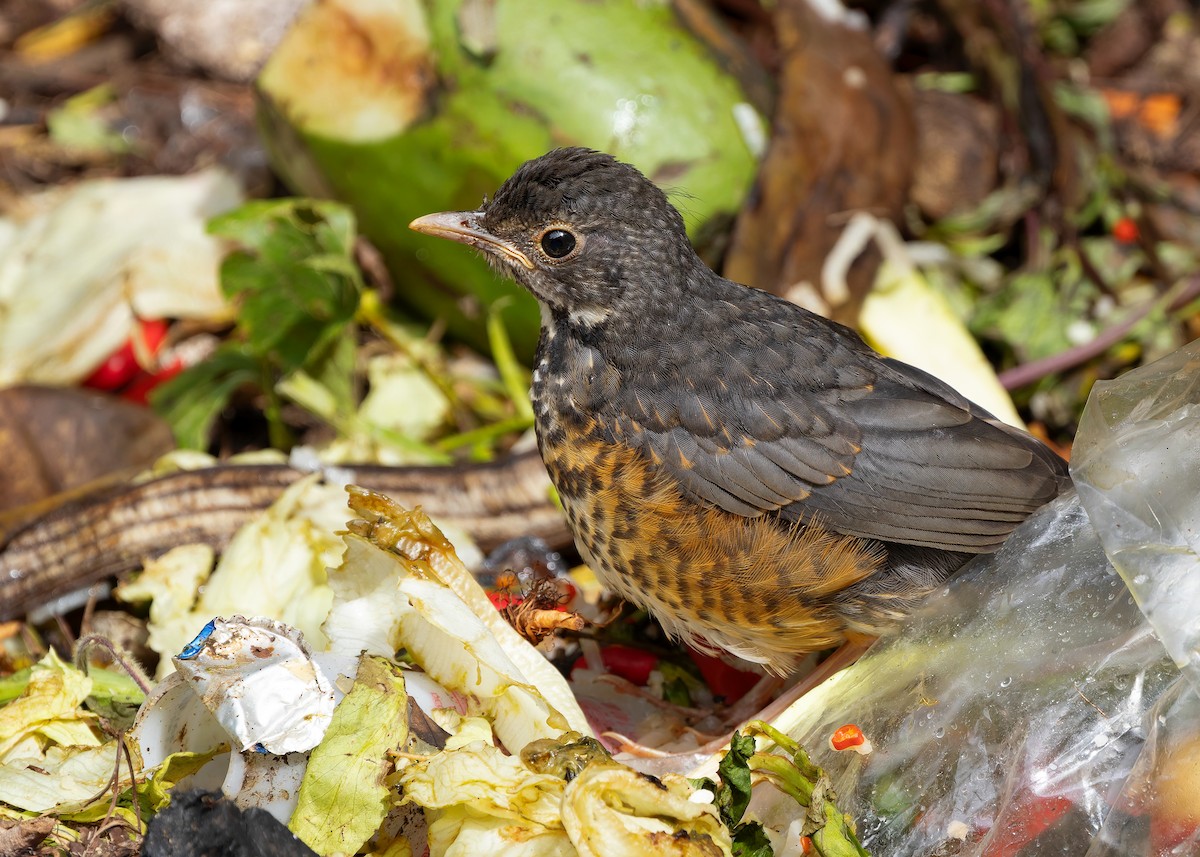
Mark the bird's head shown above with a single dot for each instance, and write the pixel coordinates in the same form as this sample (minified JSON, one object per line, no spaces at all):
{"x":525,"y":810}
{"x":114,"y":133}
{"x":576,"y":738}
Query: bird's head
{"x":575,"y":227}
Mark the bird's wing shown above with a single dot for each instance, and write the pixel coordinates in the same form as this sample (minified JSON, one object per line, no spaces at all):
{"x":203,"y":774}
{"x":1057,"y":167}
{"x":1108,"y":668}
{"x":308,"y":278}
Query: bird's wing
{"x":875,"y":448}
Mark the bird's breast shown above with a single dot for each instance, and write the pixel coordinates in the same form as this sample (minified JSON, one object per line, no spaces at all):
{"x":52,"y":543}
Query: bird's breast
{"x":753,"y":586}
{"x":573,"y":386}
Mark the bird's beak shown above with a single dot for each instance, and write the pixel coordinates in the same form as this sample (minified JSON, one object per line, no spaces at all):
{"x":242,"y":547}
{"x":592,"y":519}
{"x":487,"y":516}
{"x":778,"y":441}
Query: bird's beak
{"x":463,"y":227}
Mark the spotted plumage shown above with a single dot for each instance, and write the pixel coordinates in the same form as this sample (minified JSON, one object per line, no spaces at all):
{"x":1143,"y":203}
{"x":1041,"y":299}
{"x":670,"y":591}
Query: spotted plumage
{"x":754,"y":475}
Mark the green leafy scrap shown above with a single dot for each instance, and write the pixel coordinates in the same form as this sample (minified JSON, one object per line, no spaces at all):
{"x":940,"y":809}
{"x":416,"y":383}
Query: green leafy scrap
{"x":750,"y":840}
{"x":1028,"y":312}
{"x":108,"y":687}
{"x":344,"y":795}
{"x":831,"y":830}
{"x":678,"y":684}
{"x":153,"y":792}
{"x":297,"y":289}
{"x":83,"y":123}
{"x":192,"y":400}
{"x":294,"y":278}
{"x":732,"y":795}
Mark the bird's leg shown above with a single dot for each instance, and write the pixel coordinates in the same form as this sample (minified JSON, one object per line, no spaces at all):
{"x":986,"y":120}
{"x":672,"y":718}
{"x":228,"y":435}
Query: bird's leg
{"x":740,"y":714}
{"x":763,"y":691}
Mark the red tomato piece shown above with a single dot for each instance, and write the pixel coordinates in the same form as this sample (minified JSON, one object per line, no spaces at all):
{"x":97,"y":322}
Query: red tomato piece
{"x":139,"y":388}
{"x":633,"y":665}
{"x":118,"y":369}
{"x":725,"y":681}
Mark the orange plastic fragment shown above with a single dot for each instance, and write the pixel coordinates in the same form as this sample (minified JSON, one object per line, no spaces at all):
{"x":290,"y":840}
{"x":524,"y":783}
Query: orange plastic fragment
{"x":850,"y":737}
{"x":846,"y":737}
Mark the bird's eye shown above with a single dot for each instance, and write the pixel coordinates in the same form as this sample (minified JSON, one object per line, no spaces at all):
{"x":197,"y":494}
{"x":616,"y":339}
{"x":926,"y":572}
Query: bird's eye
{"x":557,"y":243}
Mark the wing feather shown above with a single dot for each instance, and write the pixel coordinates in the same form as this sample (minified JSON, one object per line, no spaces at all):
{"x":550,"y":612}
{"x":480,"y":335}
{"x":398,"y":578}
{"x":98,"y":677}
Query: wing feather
{"x":879,"y":450}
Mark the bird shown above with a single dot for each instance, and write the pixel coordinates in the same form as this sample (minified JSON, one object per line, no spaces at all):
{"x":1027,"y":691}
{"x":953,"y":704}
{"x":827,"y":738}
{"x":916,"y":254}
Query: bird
{"x":753,"y":474}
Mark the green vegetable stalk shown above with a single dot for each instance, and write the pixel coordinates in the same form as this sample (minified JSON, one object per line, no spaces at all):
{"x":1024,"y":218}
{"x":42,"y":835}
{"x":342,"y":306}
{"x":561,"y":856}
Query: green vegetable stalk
{"x":830,"y":830}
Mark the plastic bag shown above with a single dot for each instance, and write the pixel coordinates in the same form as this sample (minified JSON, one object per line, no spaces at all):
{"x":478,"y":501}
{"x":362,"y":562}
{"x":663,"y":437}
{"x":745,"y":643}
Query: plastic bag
{"x":1030,"y":707}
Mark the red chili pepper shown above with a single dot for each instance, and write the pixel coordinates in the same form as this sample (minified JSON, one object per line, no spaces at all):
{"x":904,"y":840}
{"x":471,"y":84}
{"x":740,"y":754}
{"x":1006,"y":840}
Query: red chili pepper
{"x":633,"y":665}
{"x":122,"y":366}
{"x":806,"y":845}
{"x":1125,"y":230}
{"x":118,"y":369}
{"x":138,"y":390}
{"x":847,"y":737}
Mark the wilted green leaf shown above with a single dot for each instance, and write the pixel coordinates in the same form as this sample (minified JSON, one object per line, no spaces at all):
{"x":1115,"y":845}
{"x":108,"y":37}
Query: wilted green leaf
{"x":1029,"y":313}
{"x":193,"y":399}
{"x":294,"y":277}
{"x":297,"y":290}
{"x":153,"y":792}
{"x":750,"y":840}
{"x":734,"y":794}
{"x":108,"y":687}
{"x":80,"y":122}
{"x":677,"y":684}
{"x":344,"y":798}
{"x":49,"y":708}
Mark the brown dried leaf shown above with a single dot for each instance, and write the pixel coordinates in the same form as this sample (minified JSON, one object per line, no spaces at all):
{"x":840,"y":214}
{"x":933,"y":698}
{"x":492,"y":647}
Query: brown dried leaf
{"x":55,"y":439}
{"x":844,"y":141}
{"x":957,"y":161}
{"x":25,"y":836}
{"x":535,"y":617}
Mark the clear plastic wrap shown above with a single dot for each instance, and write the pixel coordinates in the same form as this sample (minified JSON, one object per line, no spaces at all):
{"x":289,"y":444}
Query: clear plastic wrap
{"x":1031,"y":707}
{"x":1137,"y":465}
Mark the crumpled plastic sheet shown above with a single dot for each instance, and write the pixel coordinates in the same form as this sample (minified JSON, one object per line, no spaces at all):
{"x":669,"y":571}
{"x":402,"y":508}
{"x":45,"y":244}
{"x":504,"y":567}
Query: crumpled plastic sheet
{"x":1137,"y":465}
{"x":1031,"y":707}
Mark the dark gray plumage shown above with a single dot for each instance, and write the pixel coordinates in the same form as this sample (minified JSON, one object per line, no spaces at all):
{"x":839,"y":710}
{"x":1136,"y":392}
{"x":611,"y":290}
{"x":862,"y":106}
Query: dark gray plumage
{"x":746,"y":403}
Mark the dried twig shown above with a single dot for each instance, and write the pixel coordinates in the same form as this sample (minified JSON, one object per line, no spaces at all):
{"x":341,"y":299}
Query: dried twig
{"x":119,"y":657}
{"x":1019,"y":376}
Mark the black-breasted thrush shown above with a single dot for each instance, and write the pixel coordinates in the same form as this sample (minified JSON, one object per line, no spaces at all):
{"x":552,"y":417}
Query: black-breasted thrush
{"x":753,"y":474}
